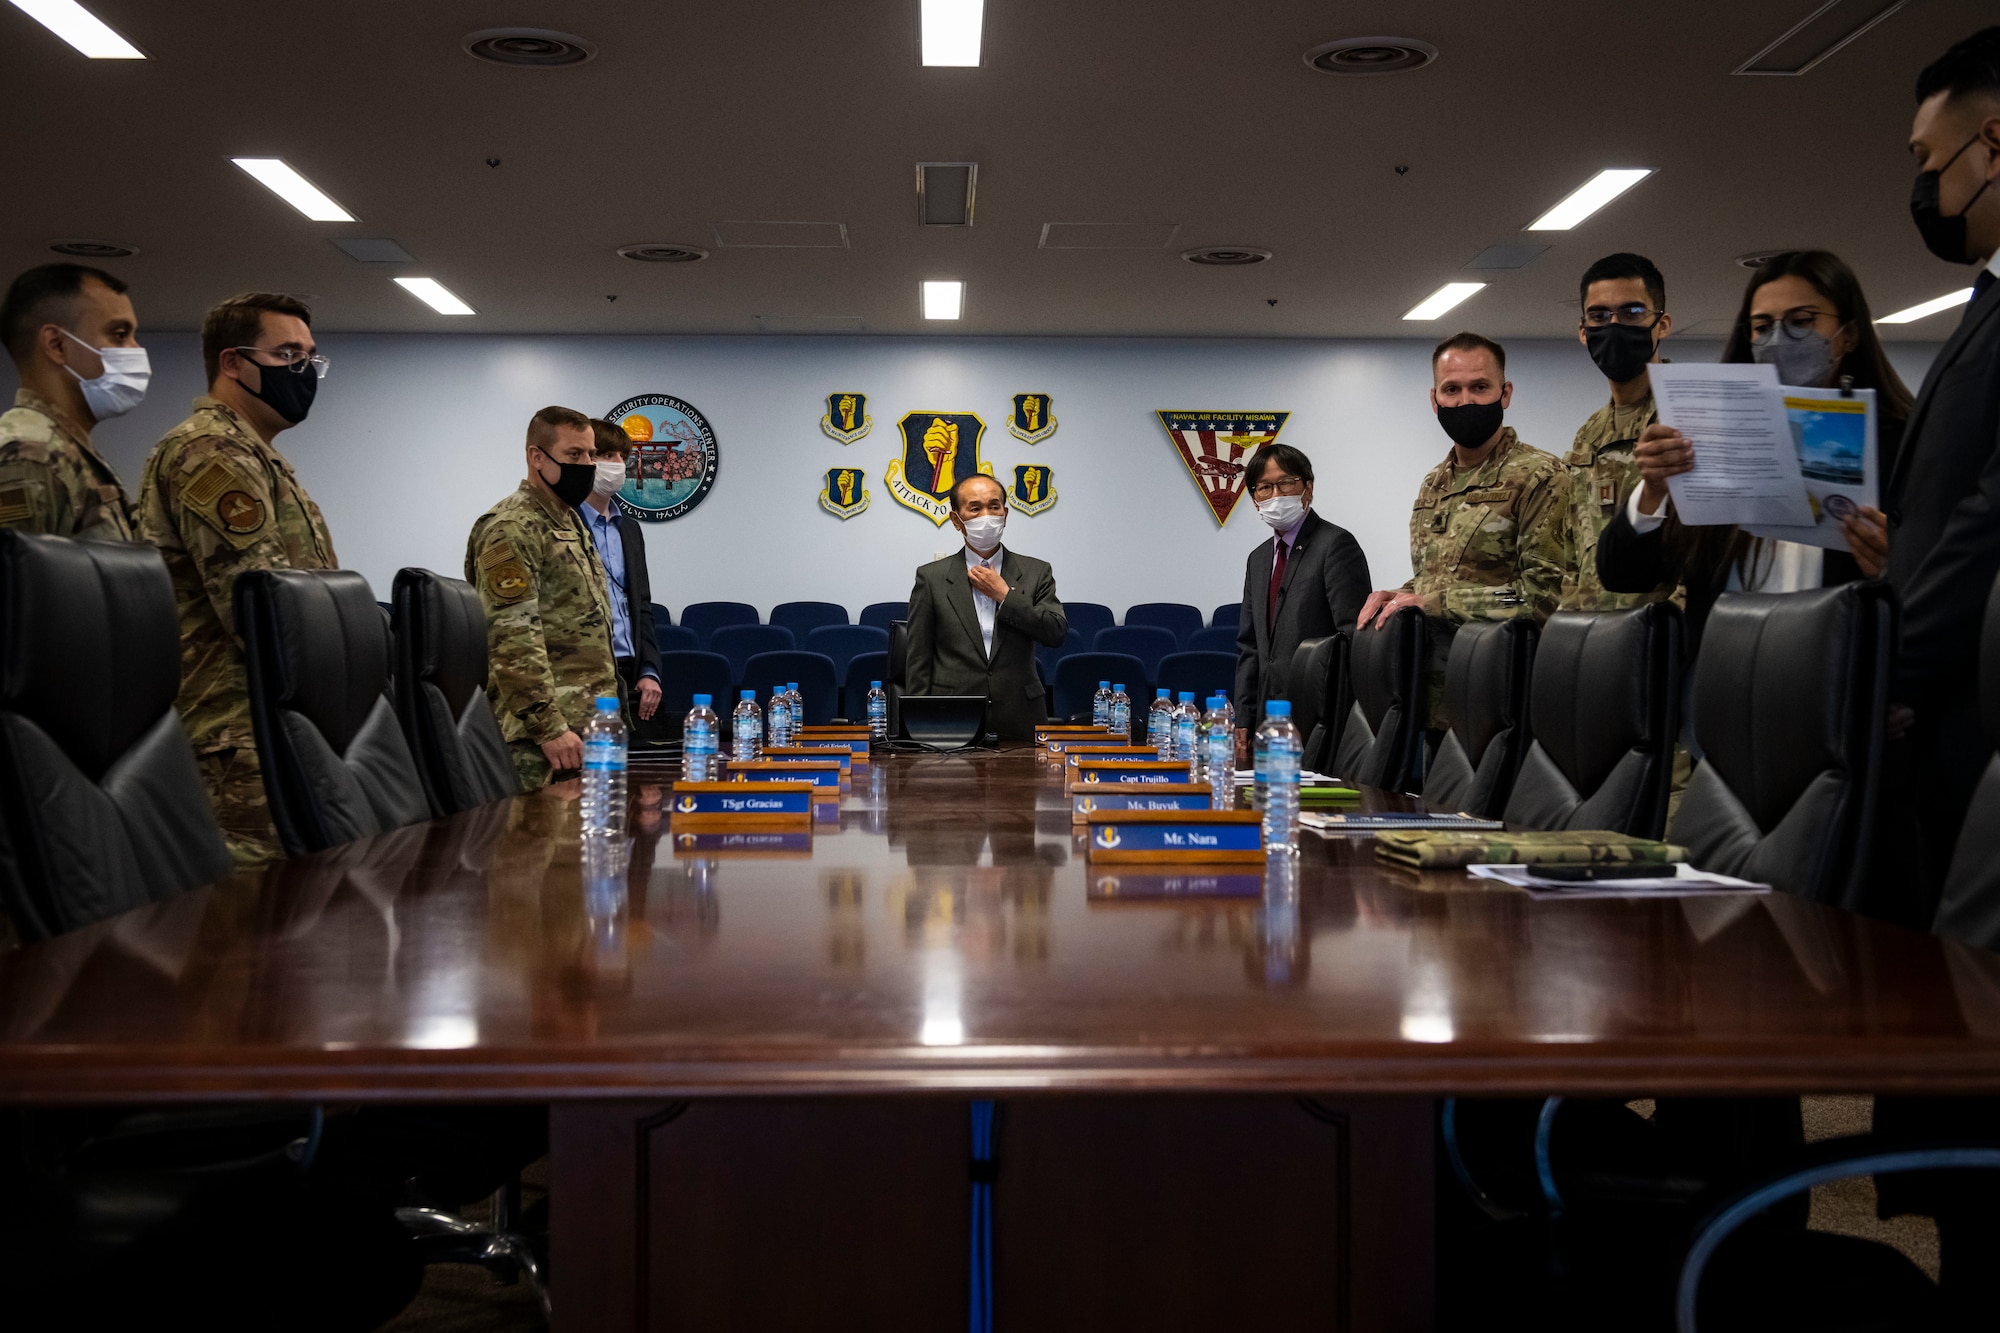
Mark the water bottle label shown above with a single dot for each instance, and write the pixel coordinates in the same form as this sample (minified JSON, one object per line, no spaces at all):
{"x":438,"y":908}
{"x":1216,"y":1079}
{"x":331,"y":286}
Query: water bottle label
{"x":604,"y":756}
{"x":1281,"y":766}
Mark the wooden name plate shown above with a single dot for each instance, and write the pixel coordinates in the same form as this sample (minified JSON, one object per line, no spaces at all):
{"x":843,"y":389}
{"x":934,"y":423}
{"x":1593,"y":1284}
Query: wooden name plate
{"x":1140,"y":796}
{"x":778,"y":844}
{"x":823,"y":774}
{"x":739,"y":805}
{"x":1199,"y":837}
{"x":1111,"y":772}
{"x":795,"y":754}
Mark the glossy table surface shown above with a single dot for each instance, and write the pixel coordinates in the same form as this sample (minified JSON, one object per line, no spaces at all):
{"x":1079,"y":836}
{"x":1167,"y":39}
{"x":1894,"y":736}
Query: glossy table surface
{"x":943,"y":931}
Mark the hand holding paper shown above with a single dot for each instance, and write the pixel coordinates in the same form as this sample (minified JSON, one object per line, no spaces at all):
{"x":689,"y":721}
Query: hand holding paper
{"x":1747,"y":467}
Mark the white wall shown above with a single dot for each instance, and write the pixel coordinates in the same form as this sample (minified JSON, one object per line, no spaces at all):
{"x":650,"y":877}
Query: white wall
{"x":413,"y":437}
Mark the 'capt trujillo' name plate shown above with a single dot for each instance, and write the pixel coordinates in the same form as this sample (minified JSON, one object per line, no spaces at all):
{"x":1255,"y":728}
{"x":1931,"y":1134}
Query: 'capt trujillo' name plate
{"x":794,"y":754}
{"x":1113,"y":772}
{"x":823,"y":774}
{"x":1196,"y":837}
{"x":732,"y":805}
{"x":1145,"y":796}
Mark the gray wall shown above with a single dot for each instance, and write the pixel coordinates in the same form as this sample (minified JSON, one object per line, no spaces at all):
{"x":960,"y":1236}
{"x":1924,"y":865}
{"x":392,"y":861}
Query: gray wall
{"x":414,"y":436}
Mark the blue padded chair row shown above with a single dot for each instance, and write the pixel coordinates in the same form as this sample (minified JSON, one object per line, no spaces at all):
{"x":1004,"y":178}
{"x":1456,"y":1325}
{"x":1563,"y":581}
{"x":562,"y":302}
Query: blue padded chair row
{"x":1215,"y":639}
{"x":812,"y":672}
{"x":861,"y":669}
{"x":1148,"y":643}
{"x":1203,"y":674}
{"x":1077,"y":675}
{"x":1228,"y":614}
{"x":1177,"y":618}
{"x":801,"y":618}
{"x":884,"y":614}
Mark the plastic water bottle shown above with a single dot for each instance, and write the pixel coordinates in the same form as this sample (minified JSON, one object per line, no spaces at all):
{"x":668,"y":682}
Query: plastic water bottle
{"x":781,"y":730}
{"x":1257,"y":757}
{"x":795,"y":712}
{"x":1221,"y":755}
{"x":1121,"y":712}
{"x":1100,"y":705}
{"x":1160,"y":725}
{"x":1187,"y":721}
{"x":604,"y":771}
{"x":698,"y":742}
{"x":746,"y":725}
{"x":878,"y":711}
{"x":1280,"y":742}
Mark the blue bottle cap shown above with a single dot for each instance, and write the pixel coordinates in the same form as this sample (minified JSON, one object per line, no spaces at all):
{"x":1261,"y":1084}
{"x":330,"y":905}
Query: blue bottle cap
{"x":1118,"y":689}
{"x":793,"y":686}
{"x":1159,"y":694}
{"x":703,"y":700}
{"x":607,"y":703}
{"x":1103,"y":684}
{"x":1278,"y":708}
{"x":748,"y":696}
{"x":1187,"y":696}
{"x":874,"y":684}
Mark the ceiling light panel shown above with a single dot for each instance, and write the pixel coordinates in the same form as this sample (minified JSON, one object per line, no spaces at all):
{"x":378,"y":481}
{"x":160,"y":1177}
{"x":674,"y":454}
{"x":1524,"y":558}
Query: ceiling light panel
{"x":1592,"y":195}
{"x":435,"y":295}
{"x":1818,"y":35}
{"x":951,"y":31}
{"x":1928,"y":308}
{"x":944,"y":193}
{"x":277,"y":176}
{"x":944,"y":300}
{"x":80,"y":28}
{"x":1443,"y":299}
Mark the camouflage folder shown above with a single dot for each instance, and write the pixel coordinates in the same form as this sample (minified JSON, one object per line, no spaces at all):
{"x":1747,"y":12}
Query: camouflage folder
{"x":1432,"y":849}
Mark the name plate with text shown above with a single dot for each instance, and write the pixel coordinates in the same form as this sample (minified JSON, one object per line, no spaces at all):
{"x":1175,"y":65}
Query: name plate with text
{"x":1208,"y":836}
{"x":738,"y":805}
{"x":1141,"y":796}
{"x":1089,"y":745}
{"x":1113,"y":772}
{"x":823,"y":774}
{"x":1130,"y":754}
{"x":855,"y":746}
{"x":796,"y":754}
{"x":786,"y":844}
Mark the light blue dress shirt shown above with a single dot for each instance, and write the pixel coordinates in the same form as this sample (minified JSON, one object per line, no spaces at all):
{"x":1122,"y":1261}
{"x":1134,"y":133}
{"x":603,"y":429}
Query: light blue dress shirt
{"x":603,"y":529}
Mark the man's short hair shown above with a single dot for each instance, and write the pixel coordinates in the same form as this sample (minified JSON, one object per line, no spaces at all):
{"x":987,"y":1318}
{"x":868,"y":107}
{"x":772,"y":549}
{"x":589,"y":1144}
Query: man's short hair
{"x":1611,"y":268}
{"x":45,"y":295}
{"x":959,"y":485}
{"x":610,"y":439}
{"x":1471,"y":342}
{"x":238,"y":321}
{"x":1970,"y":66}
{"x":542,"y":426}
{"x":1290,"y":461}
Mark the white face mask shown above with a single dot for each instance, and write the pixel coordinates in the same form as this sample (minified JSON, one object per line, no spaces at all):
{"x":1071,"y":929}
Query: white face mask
{"x":1281,"y":511}
{"x":610,"y":477}
{"x":122,"y":384}
{"x":983,"y":533}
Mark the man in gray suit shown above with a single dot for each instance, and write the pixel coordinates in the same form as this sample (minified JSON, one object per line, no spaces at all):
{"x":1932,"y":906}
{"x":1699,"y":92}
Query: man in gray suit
{"x":1320,"y":583}
{"x":976,"y":616}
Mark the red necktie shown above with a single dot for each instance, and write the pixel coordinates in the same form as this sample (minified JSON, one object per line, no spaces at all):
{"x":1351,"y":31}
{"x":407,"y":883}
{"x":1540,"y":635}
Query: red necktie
{"x":1277,"y":579}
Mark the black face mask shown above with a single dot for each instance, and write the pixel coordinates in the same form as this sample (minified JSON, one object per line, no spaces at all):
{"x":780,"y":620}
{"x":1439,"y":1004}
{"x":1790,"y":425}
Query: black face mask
{"x":1471,"y":424}
{"x":289,"y":395}
{"x":574,"y":483}
{"x":1943,"y":236}
{"x":1621,"y":351}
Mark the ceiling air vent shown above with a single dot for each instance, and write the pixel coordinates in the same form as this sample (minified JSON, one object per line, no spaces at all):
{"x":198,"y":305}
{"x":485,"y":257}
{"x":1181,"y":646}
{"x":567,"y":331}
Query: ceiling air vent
{"x":1818,"y":35}
{"x":944,"y":193}
{"x":663,"y":252}
{"x":80,"y":249}
{"x":1226,"y":256}
{"x":527,"y":48}
{"x":1371,"y":55}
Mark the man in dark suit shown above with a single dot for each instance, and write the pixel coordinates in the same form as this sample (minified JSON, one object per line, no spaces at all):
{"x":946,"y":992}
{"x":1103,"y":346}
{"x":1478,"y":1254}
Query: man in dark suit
{"x":622,"y":548}
{"x":1321,"y":580}
{"x":976,"y":616}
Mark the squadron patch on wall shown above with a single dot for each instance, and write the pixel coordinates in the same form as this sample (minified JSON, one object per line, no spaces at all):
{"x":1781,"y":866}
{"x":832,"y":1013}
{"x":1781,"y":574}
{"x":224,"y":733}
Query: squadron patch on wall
{"x":1215,"y":445}
{"x":1034,"y":488}
{"x":844,"y":493}
{"x":675,"y":460}
{"x":938,"y":449}
{"x":1033,"y":419}
{"x":847,"y":418}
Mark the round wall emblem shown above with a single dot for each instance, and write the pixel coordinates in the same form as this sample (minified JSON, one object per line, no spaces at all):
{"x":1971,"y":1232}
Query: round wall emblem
{"x":674,"y":457}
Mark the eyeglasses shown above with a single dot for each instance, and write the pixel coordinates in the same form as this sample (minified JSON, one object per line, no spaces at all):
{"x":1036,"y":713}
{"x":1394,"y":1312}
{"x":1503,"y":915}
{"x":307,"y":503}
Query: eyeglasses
{"x":1632,"y":312}
{"x":1264,"y":490}
{"x":1797,"y":322}
{"x":294,"y":359}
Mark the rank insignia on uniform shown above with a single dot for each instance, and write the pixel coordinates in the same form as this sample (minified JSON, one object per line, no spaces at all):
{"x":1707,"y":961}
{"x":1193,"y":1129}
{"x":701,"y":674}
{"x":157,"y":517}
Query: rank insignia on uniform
{"x":847,"y":418}
{"x":1214,"y":446}
{"x":1607,"y":494}
{"x":1034,"y":418}
{"x":1034,"y":488}
{"x":938,"y":449}
{"x":240,"y":511}
{"x":674,"y":460}
{"x":844,"y":494}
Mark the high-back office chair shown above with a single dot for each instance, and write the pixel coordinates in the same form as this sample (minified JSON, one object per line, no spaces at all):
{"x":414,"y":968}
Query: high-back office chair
{"x":802,"y":618}
{"x":739,"y":643}
{"x":1486,"y":700}
{"x":861,"y":669}
{"x":1212,"y":639}
{"x":1202,"y":674}
{"x":675,"y":638}
{"x":336,"y":766}
{"x":1048,"y":656}
{"x":813,"y":672}
{"x":704,"y":618}
{"x":1605,"y":708}
{"x":1076,"y":680}
{"x":101,"y":806}
{"x":440,"y":675}
{"x":1148,"y":643}
{"x":1227,"y":616}
{"x":1086,"y":618}
{"x":883,"y":614}
{"x":844,"y":642}
{"x":683,"y":675}
{"x":1789,"y":696}
{"x":1307,"y":685}
{"x":661,"y":616}
{"x":1388,"y":674}
{"x":1177,"y":618}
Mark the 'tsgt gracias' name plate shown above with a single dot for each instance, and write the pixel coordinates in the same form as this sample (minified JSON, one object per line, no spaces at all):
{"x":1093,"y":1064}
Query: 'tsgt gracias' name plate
{"x":738,"y":805}
{"x":1193,"y":836}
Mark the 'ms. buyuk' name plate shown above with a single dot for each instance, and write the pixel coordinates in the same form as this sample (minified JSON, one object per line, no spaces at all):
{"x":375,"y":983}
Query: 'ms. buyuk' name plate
{"x":1111,"y":772}
{"x":1190,"y":836}
{"x":1140,"y":796}
{"x":722,"y":805}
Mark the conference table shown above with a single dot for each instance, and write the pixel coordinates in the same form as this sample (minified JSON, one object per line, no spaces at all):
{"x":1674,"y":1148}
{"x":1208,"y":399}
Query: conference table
{"x":1212,"y":1089}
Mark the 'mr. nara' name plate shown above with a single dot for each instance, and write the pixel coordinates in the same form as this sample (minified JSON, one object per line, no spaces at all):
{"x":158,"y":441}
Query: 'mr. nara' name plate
{"x":1112,"y":772}
{"x":1198,"y":837}
{"x":723,"y":805}
{"x":1140,"y":796}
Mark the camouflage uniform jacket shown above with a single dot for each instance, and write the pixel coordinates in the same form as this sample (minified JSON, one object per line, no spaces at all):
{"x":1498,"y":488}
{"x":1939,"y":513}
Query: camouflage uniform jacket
{"x":218,"y":501}
{"x":1602,"y":473}
{"x":52,"y":479}
{"x":1486,"y":544}
{"x":548,"y":617}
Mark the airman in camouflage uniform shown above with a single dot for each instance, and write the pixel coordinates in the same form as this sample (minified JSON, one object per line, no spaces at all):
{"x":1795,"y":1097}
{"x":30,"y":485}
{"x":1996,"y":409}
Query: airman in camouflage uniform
{"x":52,"y":479}
{"x":1602,"y":473}
{"x":548,"y":619}
{"x":1487,"y":543}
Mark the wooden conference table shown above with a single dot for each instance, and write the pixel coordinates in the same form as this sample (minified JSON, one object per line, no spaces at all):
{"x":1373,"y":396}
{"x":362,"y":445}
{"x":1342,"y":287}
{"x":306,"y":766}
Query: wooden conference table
{"x":1216,"y":1092}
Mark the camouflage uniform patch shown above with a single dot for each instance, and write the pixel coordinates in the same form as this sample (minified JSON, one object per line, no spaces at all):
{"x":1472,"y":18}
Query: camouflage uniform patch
{"x":1602,"y":472}
{"x":53,"y":480}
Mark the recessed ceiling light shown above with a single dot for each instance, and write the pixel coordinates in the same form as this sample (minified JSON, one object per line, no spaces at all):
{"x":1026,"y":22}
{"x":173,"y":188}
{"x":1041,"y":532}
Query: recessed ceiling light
{"x":943,"y":300}
{"x":1587,"y":198}
{"x":278,"y":177}
{"x":527,"y":48}
{"x":1928,"y":308}
{"x":80,"y":28}
{"x":1443,"y":299}
{"x":81,"y":249}
{"x":435,"y":295}
{"x":663,"y":252}
{"x":1371,"y":55}
{"x":951,"y":31}
{"x":1225,"y":256}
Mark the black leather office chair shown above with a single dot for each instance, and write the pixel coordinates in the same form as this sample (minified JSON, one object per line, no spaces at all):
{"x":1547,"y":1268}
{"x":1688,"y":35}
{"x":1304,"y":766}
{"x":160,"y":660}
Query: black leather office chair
{"x":1789,"y":695}
{"x":101,"y":806}
{"x":1308,"y":684}
{"x":1486,"y":700}
{"x":1388,"y":672}
{"x":1605,"y":708}
{"x":336,"y":766}
{"x":440,"y":676}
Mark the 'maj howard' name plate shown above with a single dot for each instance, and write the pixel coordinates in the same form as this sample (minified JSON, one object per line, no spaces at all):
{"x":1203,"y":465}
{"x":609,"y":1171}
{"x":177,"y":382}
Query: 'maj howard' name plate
{"x":1188,"y":836}
{"x":1113,"y":772}
{"x":823,"y":774}
{"x":733,"y":805}
{"x":1141,"y":796}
